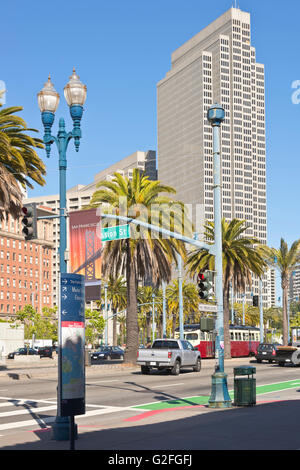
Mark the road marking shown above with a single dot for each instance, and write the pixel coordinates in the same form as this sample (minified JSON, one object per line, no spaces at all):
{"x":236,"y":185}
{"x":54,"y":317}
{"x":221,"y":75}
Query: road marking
{"x":51,"y":419}
{"x":30,"y":422}
{"x":28,"y":410}
{"x":200,"y":400}
{"x":101,"y":382}
{"x":168,"y":385}
{"x":27,"y":400}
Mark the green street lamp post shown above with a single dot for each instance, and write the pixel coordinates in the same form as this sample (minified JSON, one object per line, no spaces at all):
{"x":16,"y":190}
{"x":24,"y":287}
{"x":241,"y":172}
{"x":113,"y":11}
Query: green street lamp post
{"x":219,"y":395}
{"x":48,"y":100}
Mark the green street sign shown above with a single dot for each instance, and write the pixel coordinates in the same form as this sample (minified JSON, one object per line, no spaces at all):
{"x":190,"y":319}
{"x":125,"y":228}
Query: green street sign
{"x":119,"y":232}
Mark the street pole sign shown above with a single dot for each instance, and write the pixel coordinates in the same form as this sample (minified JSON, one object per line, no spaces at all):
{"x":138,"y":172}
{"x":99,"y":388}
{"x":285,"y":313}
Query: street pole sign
{"x":119,"y":232}
{"x":72,"y":341}
{"x":208,"y":308}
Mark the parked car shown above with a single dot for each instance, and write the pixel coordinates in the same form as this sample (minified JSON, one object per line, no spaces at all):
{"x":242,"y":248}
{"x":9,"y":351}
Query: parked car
{"x":45,"y":351}
{"x":22,"y":352}
{"x":108,"y":353}
{"x":266,"y":352}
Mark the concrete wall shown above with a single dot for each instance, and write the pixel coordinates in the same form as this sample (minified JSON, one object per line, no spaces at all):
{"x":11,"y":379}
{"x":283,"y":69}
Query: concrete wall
{"x":11,"y":338}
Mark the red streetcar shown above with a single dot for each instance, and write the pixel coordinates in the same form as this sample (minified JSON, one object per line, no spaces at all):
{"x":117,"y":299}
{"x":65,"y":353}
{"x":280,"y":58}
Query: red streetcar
{"x":244,"y":340}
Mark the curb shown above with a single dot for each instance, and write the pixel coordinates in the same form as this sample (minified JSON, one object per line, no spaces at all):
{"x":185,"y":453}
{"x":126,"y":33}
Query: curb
{"x":25,"y":371}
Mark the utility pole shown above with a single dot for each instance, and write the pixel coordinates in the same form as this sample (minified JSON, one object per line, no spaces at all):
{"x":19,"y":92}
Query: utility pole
{"x":261,"y":316}
{"x":219,"y":395}
{"x":181,"y":329}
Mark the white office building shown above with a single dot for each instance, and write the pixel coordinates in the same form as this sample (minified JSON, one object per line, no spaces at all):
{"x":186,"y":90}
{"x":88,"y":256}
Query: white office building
{"x":218,"y":64}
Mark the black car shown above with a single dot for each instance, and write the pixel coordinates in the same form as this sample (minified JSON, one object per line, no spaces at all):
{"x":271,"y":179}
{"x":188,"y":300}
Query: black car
{"x":108,"y":353}
{"x":45,"y":351}
{"x":266,"y":352}
{"x":22,"y":352}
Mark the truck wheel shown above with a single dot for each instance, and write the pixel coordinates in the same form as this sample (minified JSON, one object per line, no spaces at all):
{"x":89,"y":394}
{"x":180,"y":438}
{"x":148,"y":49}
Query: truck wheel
{"x":176,"y":368}
{"x":296,"y":358}
{"x":197,"y":367}
{"x":145,"y":370}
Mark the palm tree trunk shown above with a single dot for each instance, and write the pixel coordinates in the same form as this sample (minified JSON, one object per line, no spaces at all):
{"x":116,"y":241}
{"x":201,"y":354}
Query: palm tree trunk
{"x":173,"y":325}
{"x":114,"y":310}
{"x":148,"y":328}
{"x":284,"y":284}
{"x":131,"y":317}
{"x":227,"y":344}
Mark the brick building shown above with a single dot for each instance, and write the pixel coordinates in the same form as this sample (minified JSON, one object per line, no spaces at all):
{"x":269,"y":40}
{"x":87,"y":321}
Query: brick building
{"x":25,"y":266}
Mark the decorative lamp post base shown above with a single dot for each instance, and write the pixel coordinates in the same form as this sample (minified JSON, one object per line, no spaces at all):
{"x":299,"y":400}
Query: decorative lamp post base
{"x":219,"y":393}
{"x":61,"y":429}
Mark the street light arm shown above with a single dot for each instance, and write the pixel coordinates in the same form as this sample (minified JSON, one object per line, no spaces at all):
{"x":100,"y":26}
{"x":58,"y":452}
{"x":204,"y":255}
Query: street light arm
{"x":177,"y":236}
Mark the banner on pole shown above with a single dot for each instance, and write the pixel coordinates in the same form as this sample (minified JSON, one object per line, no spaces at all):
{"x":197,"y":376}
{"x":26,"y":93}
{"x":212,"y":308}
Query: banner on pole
{"x":85,"y":250}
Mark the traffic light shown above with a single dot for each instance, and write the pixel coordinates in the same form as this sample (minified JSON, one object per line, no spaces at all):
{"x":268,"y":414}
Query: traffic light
{"x":205,"y":284}
{"x":29,"y":221}
{"x":255,"y":301}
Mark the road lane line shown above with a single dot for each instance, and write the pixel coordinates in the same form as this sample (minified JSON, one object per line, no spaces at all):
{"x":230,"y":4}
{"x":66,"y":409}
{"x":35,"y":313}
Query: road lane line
{"x":168,"y":385}
{"x":101,"y":382}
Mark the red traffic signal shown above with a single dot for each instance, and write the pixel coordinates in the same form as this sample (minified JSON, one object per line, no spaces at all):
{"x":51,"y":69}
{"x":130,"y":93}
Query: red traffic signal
{"x":29,"y":222}
{"x":204,"y":281}
{"x":25,"y":210}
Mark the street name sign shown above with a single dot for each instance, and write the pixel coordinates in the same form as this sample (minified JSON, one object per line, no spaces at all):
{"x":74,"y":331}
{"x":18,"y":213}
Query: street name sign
{"x":119,"y":232}
{"x":208,"y":308}
{"x":72,"y":344}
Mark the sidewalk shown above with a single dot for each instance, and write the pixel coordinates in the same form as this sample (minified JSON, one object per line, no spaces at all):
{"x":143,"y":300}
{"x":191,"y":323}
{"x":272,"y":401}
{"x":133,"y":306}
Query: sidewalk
{"x":273,"y":424}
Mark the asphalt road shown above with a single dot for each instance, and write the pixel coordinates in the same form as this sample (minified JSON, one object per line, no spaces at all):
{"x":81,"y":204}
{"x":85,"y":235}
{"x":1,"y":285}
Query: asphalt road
{"x":28,"y":406}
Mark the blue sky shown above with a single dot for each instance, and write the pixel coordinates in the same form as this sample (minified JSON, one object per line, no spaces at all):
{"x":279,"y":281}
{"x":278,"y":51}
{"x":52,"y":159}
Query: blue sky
{"x":121,"y":49}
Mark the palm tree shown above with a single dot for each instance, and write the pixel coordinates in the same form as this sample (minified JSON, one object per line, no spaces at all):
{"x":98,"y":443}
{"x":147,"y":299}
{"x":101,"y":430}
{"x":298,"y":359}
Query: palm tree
{"x":116,"y":294}
{"x":242,"y":257}
{"x":285,"y":260}
{"x":19,"y":162}
{"x":145,"y":300}
{"x":143,"y":255}
{"x":190,"y":301}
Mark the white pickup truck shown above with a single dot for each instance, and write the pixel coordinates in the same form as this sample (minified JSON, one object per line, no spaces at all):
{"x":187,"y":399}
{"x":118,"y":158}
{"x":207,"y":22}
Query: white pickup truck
{"x":172,"y":354}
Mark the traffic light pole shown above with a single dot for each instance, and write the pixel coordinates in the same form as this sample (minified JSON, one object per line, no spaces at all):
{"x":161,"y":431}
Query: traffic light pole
{"x":181,"y":318}
{"x":261,"y":316}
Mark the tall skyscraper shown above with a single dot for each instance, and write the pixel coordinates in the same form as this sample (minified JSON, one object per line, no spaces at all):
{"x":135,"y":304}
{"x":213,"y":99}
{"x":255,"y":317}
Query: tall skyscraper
{"x":217,"y":65}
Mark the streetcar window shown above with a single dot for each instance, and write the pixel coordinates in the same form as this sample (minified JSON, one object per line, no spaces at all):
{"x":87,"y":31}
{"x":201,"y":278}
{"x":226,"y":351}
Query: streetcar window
{"x":232,"y":336}
{"x":191,"y":336}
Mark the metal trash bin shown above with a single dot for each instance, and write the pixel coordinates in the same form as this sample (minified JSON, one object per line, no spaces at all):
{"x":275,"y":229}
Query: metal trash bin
{"x":244,"y":387}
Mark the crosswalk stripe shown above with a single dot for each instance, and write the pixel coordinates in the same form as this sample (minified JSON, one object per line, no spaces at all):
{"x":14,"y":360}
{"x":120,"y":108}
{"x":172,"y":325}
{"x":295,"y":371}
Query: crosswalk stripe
{"x":31,"y":422}
{"x":51,"y":419}
{"x":27,"y":411}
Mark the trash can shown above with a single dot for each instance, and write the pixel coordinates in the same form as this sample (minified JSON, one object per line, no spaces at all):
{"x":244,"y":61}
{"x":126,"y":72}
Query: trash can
{"x":244,"y":386}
